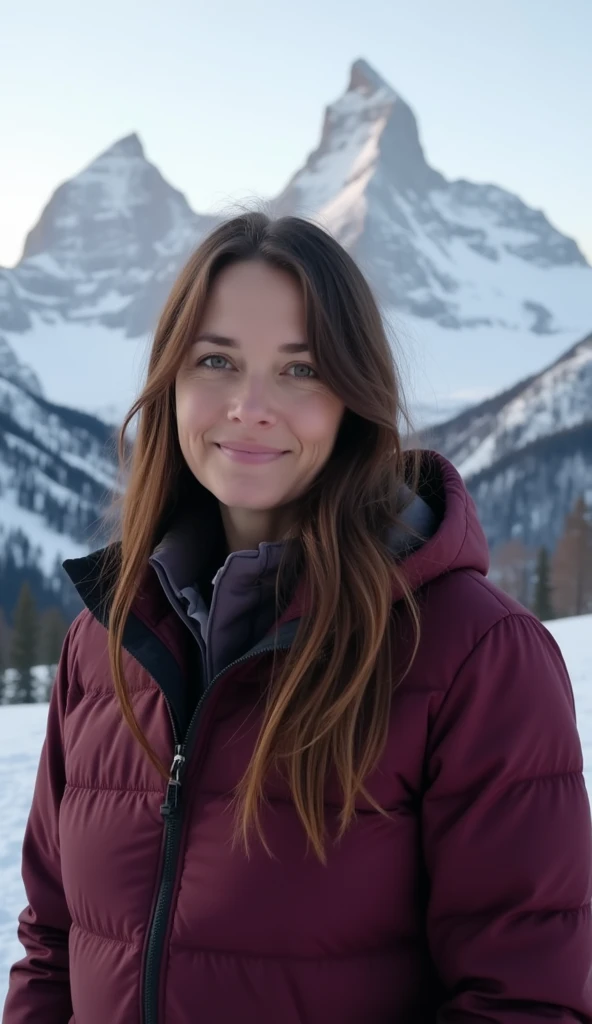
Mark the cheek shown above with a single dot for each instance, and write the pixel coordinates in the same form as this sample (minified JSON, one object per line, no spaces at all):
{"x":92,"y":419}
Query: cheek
{"x":196,"y":410}
{"x":318,"y":422}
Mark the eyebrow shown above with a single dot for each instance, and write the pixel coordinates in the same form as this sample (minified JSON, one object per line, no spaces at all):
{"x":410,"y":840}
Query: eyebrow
{"x":221,"y":339}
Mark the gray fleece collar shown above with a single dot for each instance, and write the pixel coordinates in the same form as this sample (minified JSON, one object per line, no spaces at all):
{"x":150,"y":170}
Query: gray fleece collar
{"x":182,"y":554}
{"x":242,"y":589}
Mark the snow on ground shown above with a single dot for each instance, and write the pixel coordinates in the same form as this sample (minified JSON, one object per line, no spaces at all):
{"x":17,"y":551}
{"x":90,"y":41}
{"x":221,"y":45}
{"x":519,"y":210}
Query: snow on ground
{"x":574,"y":637}
{"x":22,"y":729}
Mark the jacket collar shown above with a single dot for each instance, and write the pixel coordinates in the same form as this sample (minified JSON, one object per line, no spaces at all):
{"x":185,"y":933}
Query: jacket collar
{"x":184,"y":560}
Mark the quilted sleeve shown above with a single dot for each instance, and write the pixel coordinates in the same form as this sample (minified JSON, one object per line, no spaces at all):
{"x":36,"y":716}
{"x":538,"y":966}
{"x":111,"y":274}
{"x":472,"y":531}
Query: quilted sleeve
{"x":507,"y":837}
{"x":39,"y":985}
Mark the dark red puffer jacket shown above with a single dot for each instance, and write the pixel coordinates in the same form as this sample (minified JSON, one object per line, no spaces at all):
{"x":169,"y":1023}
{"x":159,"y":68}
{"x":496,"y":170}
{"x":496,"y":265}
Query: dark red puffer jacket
{"x":471,"y":903}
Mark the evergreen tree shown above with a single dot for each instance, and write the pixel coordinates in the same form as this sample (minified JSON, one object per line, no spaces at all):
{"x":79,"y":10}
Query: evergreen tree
{"x":4,"y":649}
{"x":572,"y":564}
{"x":542,"y":603}
{"x":512,"y":566}
{"x":52,"y":631}
{"x":24,"y":646}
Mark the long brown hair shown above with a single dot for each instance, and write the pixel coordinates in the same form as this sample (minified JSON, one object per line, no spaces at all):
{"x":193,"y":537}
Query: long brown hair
{"x":327,"y":708}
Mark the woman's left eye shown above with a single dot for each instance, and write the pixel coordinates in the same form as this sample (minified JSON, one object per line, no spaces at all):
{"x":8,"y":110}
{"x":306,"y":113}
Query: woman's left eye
{"x":214,"y":362}
{"x":302,"y":371}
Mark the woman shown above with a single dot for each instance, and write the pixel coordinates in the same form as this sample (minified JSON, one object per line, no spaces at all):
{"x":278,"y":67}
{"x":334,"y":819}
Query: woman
{"x":346,"y":786}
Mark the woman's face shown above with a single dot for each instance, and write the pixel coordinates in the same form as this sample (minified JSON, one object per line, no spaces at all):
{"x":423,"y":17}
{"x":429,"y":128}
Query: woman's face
{"x":256,"y":424}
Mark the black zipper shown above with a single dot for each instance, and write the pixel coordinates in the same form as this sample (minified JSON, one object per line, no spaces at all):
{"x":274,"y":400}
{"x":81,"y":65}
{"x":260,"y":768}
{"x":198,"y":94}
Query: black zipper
{"x":171,"y":811}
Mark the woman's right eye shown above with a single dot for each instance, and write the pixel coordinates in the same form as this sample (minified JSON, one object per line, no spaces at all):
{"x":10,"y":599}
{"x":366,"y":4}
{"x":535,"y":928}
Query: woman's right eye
{"x":214,"y":362}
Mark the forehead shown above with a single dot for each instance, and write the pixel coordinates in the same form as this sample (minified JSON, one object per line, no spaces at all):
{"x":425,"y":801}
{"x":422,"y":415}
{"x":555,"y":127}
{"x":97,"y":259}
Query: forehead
{"x":253,"y":295}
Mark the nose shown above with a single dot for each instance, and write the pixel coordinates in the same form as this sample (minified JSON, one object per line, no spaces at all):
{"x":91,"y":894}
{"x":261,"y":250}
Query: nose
{"x":251,"y":404}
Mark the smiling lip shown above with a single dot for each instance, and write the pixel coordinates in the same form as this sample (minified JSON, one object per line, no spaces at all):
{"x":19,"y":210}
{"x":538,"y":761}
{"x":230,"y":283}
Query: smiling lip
{"x":246,"y":451}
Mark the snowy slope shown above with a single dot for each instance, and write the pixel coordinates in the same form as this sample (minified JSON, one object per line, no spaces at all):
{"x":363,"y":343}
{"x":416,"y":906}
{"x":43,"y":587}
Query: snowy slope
{"x":526,"y":454}
{"x":13,"y":369}
{"x":556,"y":400}
{"x":21,"y":736}
{"x":57,"y":470}
{"x":527,"y":496}
{"x":84,"y":365}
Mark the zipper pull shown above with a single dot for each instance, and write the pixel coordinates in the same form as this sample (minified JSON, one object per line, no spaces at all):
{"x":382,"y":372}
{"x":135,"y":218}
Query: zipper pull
{"x":171,"y":801}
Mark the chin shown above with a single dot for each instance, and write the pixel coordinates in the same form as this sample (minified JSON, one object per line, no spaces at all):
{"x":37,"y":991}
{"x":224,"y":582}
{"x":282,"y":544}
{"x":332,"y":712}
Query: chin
{"x":241,"y":498}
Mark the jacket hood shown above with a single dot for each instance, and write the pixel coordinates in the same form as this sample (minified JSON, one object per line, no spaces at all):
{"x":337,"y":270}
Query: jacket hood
{"x":438,"y":531}
{"x":455,"y":537}
{"x":459,"y":541}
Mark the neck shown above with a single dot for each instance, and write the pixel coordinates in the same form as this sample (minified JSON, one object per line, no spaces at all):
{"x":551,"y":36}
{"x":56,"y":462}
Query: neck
{"x":247,"y":528}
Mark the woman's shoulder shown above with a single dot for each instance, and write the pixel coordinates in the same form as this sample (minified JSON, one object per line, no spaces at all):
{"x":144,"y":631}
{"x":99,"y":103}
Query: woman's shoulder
{"x":86,"y":626}
{"x":84,"y":652}
{"x":463,"y":616}
{"x":469,"y":592}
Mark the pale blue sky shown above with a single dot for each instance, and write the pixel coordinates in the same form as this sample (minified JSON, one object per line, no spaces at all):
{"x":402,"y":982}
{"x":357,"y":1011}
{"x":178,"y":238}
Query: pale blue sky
{"x":228,"y":95}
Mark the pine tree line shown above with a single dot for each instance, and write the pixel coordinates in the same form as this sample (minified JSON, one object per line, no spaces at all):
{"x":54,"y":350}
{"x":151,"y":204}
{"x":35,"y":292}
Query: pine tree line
{"x":557,"y":583}
{"x":33,"y":639}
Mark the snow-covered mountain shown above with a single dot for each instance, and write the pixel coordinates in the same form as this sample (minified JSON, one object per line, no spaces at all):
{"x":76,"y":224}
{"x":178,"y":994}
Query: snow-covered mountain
{"x":527,"y":453}
{"x":57,"y":476}
{"x":103,"y":244}
{"x":95,"y":271}
{"x":480,"y":288}
{"x":458,"y":253}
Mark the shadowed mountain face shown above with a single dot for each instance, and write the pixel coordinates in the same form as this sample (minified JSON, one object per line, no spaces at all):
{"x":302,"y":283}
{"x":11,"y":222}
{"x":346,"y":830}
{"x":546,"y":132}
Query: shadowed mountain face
{"x":527,"y":454}
{"x":57,"y":478}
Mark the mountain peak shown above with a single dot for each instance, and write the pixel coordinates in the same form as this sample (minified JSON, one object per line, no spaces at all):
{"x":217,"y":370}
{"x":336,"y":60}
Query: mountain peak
{"x":369,"y":143}
{"x":363,"y":78}
{"x":129,"y":146}
{"x":104,"y":236}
